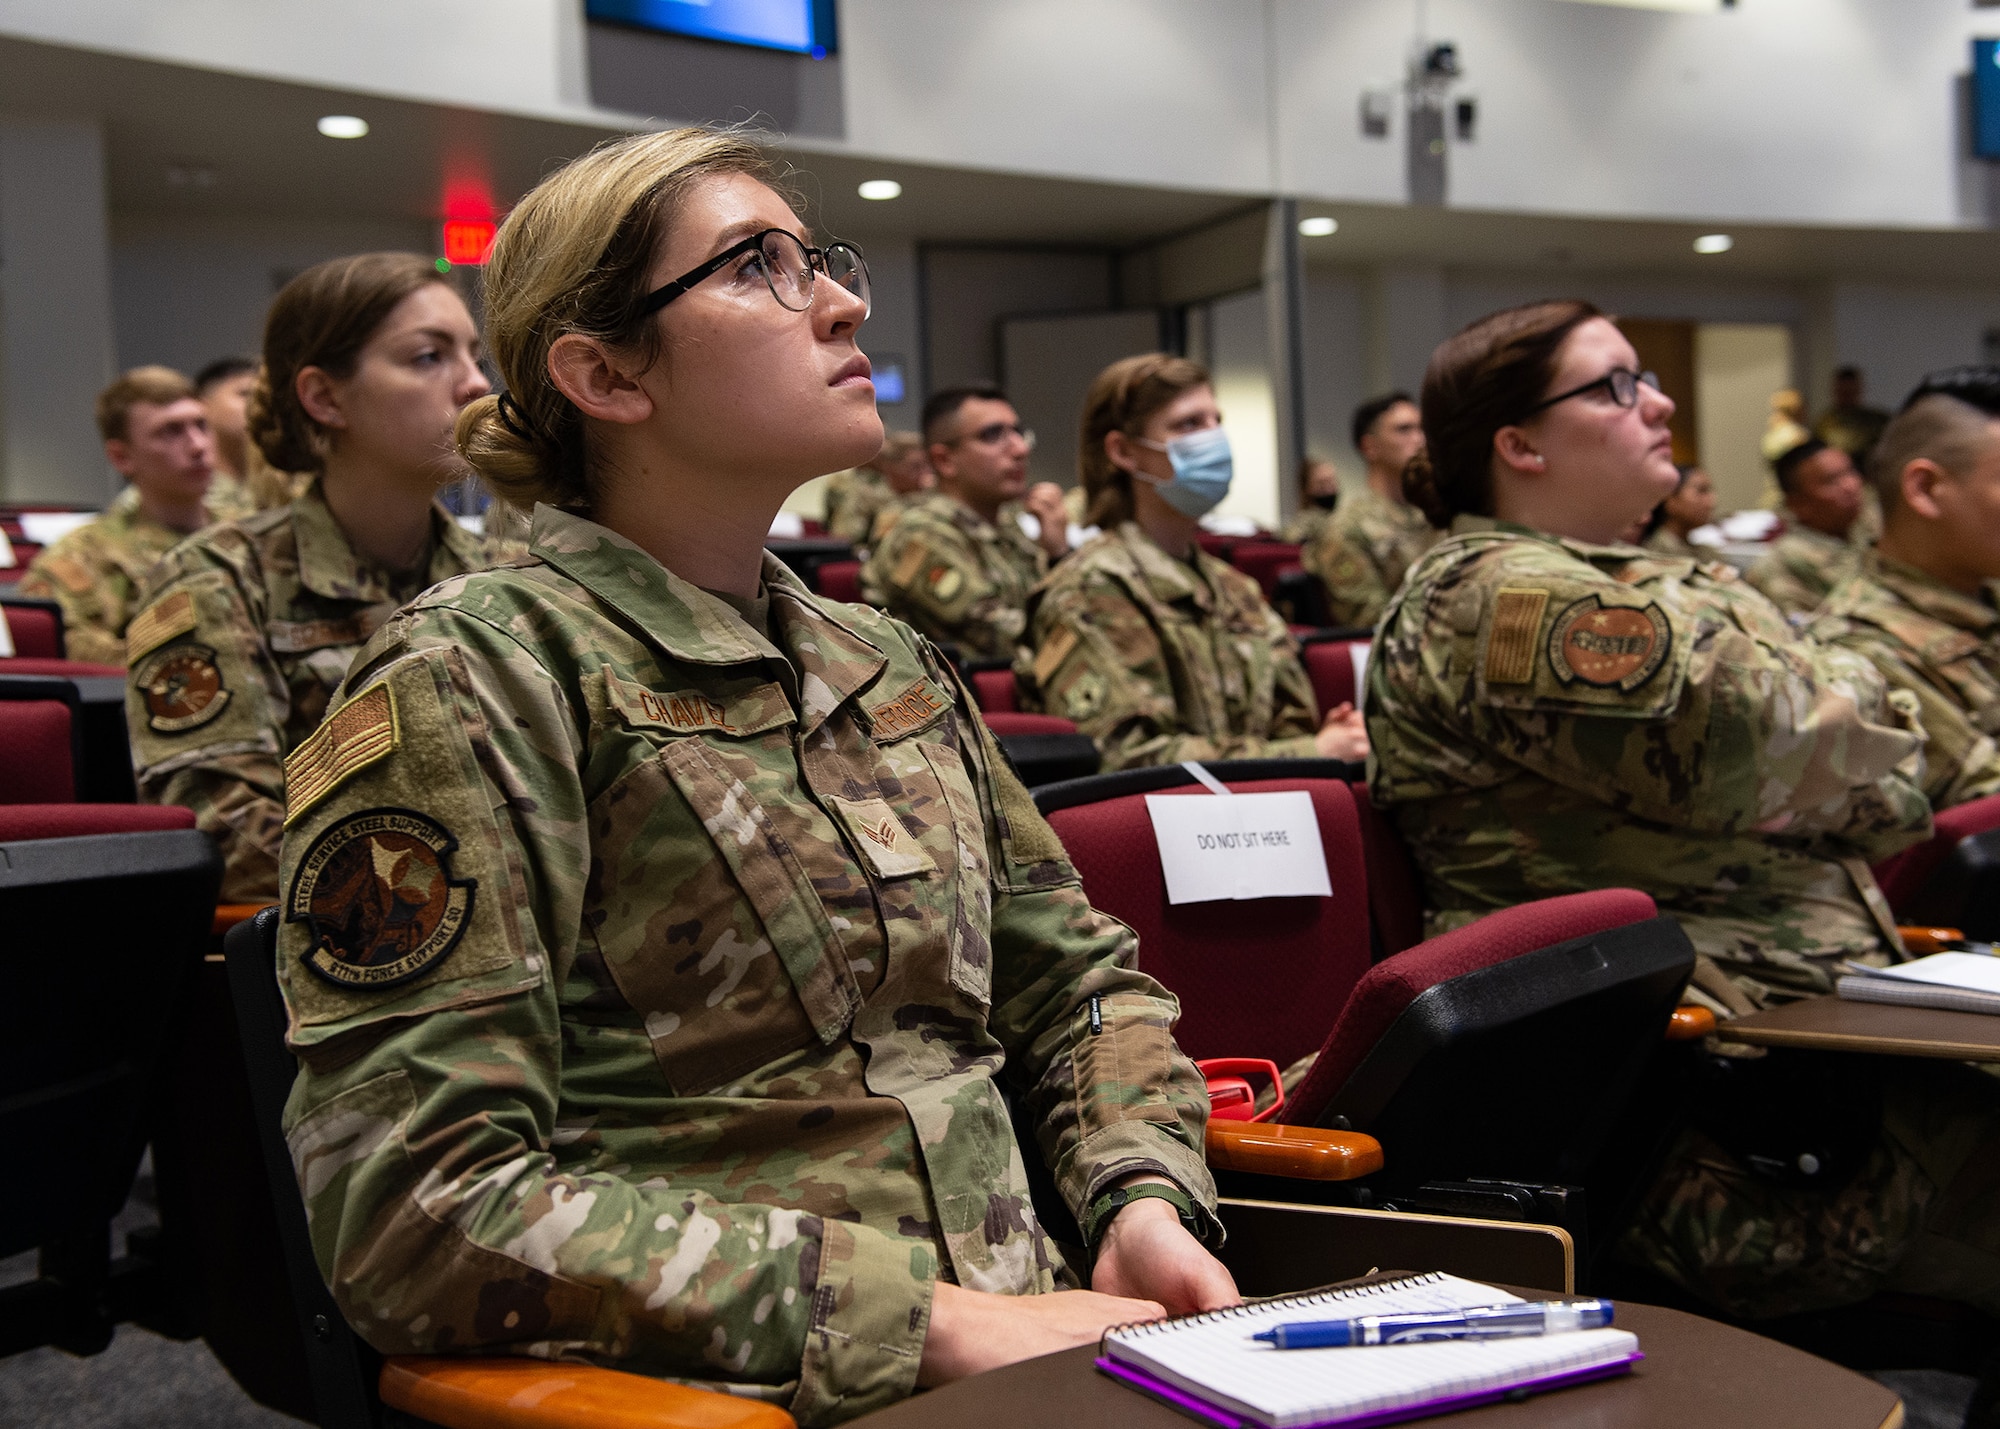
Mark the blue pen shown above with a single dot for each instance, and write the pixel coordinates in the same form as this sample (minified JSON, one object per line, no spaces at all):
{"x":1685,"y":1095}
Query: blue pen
{"x":1484,"y":1322}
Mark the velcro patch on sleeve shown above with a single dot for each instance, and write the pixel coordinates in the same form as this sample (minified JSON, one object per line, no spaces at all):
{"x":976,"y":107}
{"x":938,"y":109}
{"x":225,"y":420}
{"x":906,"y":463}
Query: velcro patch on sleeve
{"x":1054,"y":651}
{"x":1510,"y":646}
{"x":354,"y":736}
{"x":1612,"y":647}
{"x":908,"y":564}
{"x":158,"y":623}
{"x":70,"y":573}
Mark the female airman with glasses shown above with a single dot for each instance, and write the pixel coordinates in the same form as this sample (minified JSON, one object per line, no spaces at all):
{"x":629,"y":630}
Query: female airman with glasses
{"x":663,"y":946}
{"x":1553,"y":711}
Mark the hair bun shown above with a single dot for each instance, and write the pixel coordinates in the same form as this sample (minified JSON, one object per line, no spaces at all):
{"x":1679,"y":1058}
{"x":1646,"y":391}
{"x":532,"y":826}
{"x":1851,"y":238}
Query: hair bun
{"x":506,"y":457}
{"x":1420,"y":489}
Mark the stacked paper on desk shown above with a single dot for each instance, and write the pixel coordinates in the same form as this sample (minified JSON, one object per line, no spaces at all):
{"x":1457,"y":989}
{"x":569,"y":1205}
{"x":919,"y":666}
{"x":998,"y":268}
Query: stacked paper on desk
{"x":1210,"y":1367}
{"x":1958,"y":982}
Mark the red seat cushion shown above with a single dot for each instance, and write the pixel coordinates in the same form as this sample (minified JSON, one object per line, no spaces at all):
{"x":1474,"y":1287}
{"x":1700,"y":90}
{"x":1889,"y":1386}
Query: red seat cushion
{"x":1904,"y":875}
{"x":994,"y":689}
{"x":35,"y":764}
{"x":1394,"y":983}
{"x":37,"y":631}
{"x":19,"y":822}
{"x":1012,"y":722}
{"x":78,"y":669}
{"x":1263,"y":977}
{"x":1330,"y":667}
{"x":1263,"y":560}
{"x":840,"y":580}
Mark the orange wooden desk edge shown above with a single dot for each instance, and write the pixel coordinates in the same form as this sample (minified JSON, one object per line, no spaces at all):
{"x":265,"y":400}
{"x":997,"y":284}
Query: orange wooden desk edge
{"x":537,"y":1394}
{"x":228,"y":915}
{"x":1689,"y":1023}
{"x":1304,"y":1152}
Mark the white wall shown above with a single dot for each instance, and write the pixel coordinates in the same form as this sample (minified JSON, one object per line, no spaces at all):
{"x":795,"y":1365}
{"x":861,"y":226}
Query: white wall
{"x":1737,"y":366}
{"x":1238,"y":351}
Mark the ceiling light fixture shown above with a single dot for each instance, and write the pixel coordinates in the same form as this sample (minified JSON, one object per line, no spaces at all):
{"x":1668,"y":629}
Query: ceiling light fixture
{"x":1714,"y":243}
{"x":880,"y":190}
{"x":343,"y":126}
{"x":1318,"y":227}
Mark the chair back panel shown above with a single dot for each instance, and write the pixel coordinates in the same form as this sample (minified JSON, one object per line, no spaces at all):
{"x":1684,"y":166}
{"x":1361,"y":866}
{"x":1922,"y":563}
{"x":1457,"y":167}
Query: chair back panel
{"x":840,"y":580}
{"x":36,"y":765}
{"x":1330,"y":667}
{"x":1395,"y":889}
{"x":1263,"y":560}
{"x":1014,"y":722}
{"x":1903,"y":876}
{"x":994,"y":689}
{"x":1255,"y":978}
{"x":36,"y":627}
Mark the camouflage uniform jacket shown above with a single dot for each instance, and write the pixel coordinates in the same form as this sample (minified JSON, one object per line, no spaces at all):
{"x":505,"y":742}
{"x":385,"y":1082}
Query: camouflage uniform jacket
{"x":1666,"y":542}
{"x":95,"y":572}
{"x":656,"y":982}
{"x":1942,"y":647}
{"x":955,"y":576}
{"x":247,"y":631}
{"x":1363,"y":553}
{"x":1306,"y":525}
{"x":1547,"y":716}
{"x":1160,"y":661}
{"x":853,"y":500}
{"x":1801,"y":567}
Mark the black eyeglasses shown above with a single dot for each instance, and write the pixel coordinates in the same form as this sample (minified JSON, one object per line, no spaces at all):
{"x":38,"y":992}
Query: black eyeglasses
{"x":994,"y":433}
{"x":1621,"y":382}
{"x":788,"y":267}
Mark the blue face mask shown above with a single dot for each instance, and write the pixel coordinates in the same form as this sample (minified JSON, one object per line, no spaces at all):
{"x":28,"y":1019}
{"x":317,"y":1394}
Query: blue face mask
{"x":1203,"y":467}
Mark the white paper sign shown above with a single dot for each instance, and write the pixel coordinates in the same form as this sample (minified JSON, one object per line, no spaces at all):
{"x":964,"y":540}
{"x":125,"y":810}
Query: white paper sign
{"x":1241,"y":846}
{"x":1358,"y":653}
{"x":6,"y":636}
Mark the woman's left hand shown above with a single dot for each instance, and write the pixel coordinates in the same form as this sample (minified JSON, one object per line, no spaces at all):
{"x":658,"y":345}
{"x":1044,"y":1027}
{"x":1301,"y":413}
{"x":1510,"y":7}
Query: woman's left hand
{"x":1147,"y":1254}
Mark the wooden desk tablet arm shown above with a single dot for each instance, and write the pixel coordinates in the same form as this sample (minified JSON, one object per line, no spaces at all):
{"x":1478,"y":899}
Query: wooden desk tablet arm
{"x":475,"y":1393}
{"x":1304,"y":1153}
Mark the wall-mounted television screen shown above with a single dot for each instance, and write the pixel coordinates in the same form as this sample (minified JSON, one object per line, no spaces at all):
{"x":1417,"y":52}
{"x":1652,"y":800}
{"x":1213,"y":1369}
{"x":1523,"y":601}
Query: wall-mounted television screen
{"x":1986,"y":98}
{"x":802,"y":27}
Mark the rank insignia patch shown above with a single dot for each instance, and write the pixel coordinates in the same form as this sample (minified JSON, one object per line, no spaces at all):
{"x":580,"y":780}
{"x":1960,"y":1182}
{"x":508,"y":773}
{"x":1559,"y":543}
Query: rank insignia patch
{"x":182,"y":688}
{"x":1613,"y":647}
{"x":376,"y":891}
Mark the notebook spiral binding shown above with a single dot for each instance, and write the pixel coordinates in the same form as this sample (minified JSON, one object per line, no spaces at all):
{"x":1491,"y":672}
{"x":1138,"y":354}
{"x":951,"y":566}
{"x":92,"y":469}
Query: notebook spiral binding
{"x":1356,"y":1292}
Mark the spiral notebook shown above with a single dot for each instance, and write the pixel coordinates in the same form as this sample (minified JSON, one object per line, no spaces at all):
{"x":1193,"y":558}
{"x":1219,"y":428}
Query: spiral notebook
{"x":1208,"y":1366}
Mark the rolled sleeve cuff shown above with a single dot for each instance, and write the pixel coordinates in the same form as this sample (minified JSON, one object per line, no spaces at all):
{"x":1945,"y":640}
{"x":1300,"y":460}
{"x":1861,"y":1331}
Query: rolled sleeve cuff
{"x":871,"y":1310}
{"x":1129,"y":1147}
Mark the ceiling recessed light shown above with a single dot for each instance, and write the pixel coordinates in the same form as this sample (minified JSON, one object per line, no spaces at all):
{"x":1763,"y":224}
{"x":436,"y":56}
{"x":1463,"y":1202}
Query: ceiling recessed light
{"x":1318,"y":227}
{"x":343,"y":126}
{"x":1714,"y":243}
{"x":880,"y":189}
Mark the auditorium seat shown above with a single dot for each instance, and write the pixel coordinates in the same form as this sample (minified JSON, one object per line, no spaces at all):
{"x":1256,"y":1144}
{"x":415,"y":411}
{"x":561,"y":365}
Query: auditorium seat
{"x":1299,"y":597}
{"x":993,"y":687}
{"x":37,"y":757}
{"x":1953,"y":878}
{"x":106,"y":910}
{"x":1043,"y":748}
{"x":352,"y":1387}
{"x":35,"y":627}
{"x":1332,"y":666}
{"x":1459,"y":1054}
{"x":95,"y":695}
{"x":840,"y":580}
{"x":1263,"y":560}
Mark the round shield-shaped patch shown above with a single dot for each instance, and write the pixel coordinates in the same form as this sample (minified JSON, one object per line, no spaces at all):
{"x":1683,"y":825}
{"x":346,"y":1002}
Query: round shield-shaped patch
{"x":1613,"y":647}
{"x":377,"y":891}
{"x":182,"y":688}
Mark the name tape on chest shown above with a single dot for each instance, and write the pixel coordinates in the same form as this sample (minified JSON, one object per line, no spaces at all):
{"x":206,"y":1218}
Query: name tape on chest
{"x":915,"y":708}
{"x":1240,"y":846}
{"x":158,"y":623}
{"x":682,"y":711}
{"x":358,"y":734}
{"x":295,"y":637}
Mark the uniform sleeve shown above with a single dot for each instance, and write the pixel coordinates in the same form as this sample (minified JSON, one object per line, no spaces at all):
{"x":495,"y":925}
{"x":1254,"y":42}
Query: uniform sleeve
{"x":93,"y":605}
{"x":434,"y":881}
{"x":1961,"y":762}
{"x":933,"y":578}
{"x":1295,"y":711}
{"x":1356,"y":593}
{"x":1673,"y":711}
{"x":1089,"y":1038}
{"x":1098,"y":661}
{"x":205,"y":705}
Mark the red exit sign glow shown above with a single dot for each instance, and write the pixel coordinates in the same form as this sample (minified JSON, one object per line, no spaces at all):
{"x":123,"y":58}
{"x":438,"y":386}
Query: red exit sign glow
{"x":468,"y":240}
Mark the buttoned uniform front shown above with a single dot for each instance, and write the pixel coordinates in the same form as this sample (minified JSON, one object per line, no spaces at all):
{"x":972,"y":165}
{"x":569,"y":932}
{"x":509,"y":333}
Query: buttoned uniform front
{"x":1801,"y":568}
{"x":1944,"y":648}
{"x":955,"y":576}
{"x":1547,"y":716}
{"x":704,"y":1077}
{"x":243,"y":635}
{"x":1364,"y":552}
{"x":95,"y":572}
{"x":1160,"y":660}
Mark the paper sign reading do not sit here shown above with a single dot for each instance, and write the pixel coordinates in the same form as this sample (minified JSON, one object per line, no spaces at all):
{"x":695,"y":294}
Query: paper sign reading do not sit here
{"x":1238,"y":846}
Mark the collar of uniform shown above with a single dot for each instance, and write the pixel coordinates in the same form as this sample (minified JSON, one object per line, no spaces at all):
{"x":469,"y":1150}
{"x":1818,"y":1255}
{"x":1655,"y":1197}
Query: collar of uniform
{"x":1803,"y":535}
{"x":329,"y":566}
{"x":1925,"y":595}
{"x":834,"y":662}
{"x":1169,"y":579}
{"x":950,"y":508}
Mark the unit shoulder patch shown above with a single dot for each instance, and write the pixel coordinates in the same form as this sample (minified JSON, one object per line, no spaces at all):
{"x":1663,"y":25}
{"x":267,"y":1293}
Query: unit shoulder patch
{"x":1510,"y":648}
{"x":378,"y":899}
{"x":160,"y":622}
{"x":1612,"y":647}
{"x":356,"y":735}
{"x":182,"y":688}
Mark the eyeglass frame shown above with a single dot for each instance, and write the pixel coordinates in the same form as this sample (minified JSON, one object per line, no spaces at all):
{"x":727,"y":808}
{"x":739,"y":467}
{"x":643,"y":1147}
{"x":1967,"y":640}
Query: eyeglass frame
{"x":1001,"y":431}
{"x":667,"y":292}
{"x":1608,"y":381}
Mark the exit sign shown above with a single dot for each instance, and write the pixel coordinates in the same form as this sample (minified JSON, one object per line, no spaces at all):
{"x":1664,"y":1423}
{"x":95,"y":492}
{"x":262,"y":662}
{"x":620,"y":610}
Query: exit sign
{"x":468,"y":240}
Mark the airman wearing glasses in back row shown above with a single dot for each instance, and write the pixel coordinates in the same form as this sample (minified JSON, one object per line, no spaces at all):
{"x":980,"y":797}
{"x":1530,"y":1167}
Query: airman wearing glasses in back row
{"x":957,"y":565}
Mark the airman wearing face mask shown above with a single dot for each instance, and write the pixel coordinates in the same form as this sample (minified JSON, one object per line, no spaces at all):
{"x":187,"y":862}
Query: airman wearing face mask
{"x":1159,"y":651}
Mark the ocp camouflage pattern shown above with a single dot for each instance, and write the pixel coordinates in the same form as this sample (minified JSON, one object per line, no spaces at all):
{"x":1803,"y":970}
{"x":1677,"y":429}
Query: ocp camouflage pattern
{"x":1363,"y":553}
{"x":1801,"y":568}
{"x":954,"y":576}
